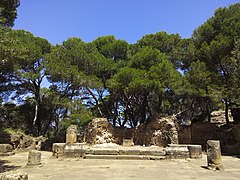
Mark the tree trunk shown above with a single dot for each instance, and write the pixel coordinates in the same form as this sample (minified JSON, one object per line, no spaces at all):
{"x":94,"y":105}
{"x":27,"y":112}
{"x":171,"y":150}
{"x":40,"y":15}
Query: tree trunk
{"x":159,"y":102}
{"x":226,"y":111}
{"x":35,"y":114}
{"x":96,"y":100}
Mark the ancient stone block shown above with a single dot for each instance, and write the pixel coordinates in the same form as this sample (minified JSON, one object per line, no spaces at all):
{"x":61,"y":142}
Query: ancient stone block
{"x":106,"y":151}
{"x":128,"y":142}
{"x":15,"y":176}
{"x":153,"y":152}
{"x":177,"y":152}
{"x":58,"y":149}
{"x":195,"y":151}
{"x":71,"y":134}
{"x":4,"y":148}
{"x":214,"y":158}
{"x":122,"y":151}
{"x":34,"y":158}
{"x":133,"y":152}
{"x":72,"y":151}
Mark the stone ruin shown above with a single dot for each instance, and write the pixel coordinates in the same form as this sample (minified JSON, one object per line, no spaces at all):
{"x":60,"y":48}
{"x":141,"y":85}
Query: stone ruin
{"x":155,"y":140}
{"x":19,"y":142}
{"x":161,"y":131}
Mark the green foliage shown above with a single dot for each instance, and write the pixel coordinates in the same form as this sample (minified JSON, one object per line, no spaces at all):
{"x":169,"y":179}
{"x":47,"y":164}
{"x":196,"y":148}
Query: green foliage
{"x":199,"y":78}
{"x":126,"y":83}
{"x":8,"y":12}
{"x":146,"y":58}
{"x":215,"y":42}
{"x":170,"y":44}
{"x":111,"y":48}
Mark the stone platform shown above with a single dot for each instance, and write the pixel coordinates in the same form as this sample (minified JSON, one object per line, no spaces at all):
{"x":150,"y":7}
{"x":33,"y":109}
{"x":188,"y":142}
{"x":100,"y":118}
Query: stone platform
{"x":114,"y":151}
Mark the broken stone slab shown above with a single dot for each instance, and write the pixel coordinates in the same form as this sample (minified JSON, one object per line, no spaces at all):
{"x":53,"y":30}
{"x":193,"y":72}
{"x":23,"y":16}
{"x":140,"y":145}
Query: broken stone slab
{"x":58,"y":149}
{"x":15,"y":176}
{"x":34,"y":158}
{"x":214,"y":158}
{"x":5,"y":148}
{"x":127,"y":142}
{"x":195,"y":151}
{"x":71,"y":134}
{"x":177,"y":152}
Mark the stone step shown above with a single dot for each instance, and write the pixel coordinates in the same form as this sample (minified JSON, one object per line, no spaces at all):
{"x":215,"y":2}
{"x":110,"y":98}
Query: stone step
{"x":124,"y":157}
{"x":7,"y":154}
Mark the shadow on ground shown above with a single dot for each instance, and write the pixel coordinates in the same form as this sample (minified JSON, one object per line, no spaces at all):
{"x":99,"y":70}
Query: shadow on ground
{"x":5,"y":168}
{"x":236,"y":156}
{"x":5,"y":138}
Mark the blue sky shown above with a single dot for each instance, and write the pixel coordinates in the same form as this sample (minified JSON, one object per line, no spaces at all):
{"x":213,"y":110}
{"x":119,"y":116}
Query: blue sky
{"x":57,"y":20}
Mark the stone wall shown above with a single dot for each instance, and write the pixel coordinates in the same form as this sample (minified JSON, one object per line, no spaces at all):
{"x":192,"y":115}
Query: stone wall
{"x":20,"y":141}
{"x":99,"y":131}
{"x":201,"y":132}
{"x":160,"y":131}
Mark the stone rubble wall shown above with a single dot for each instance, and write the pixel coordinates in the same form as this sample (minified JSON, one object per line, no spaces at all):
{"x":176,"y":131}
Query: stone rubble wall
{"x":161,"y":131}
{"x":20,"y":141}
{"x":201,"y":132}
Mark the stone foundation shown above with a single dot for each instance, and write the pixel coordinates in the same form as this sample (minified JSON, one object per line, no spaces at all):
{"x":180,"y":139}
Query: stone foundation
{"x":114,"y":151}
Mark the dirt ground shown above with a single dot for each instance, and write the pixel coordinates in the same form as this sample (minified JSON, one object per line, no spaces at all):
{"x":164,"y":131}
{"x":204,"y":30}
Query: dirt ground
{"x":71,"y":169}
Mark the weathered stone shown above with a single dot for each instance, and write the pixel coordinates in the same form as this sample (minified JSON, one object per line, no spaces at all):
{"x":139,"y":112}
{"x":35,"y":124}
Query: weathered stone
{"x":89,"y":151}
{"x":16,"y":176}
{"x":219,"y":116}
{"x":106,"y":151}
{"x":71,"y":134}
{"x":58,"y":149}
{"x":177,"y":152}
{"x":74,"y":151}
{"x":214,"y":158}
{"x":195,"y":151}
{"x":34,"y":158}
{"x":178,"y":145}
{"x":153,"y":152}
{"x":122,"y":151}
{"x":4,"y":148}
{"x":99,"y":131}
{"x":160,"y":131}
{"x":133,"y":152}
{"x":128,"y":142}
{"x":37,"y":142}
{"x":122,"y":157}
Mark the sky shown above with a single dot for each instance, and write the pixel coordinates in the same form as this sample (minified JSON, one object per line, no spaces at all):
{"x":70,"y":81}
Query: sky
{"x":130,"y":20}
